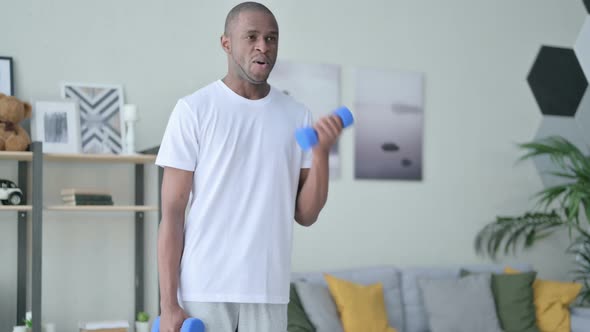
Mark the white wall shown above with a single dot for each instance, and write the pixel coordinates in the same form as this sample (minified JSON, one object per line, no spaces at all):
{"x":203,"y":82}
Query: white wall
{"x":475,"y":56}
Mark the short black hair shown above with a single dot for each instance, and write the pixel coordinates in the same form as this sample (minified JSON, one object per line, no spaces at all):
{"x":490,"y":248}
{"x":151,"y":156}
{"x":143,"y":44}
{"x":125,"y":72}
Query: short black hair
{"x":244,"y":6}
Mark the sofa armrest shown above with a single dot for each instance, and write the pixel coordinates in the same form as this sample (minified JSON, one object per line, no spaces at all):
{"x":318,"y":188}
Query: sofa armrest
{"x":580,"y":319}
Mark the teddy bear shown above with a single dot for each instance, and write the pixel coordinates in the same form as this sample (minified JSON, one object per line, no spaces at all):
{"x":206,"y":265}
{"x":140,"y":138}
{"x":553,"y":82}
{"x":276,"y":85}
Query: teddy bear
{"x":12,"y":136}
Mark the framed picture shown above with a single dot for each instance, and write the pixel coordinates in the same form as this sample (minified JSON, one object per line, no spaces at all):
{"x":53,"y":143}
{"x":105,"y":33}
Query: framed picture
{"x":57,"y":125}
{"x":389,"y":125}
{"x":102,"y":128}
{"x":6,"y":76}
{"x":317,"y":85}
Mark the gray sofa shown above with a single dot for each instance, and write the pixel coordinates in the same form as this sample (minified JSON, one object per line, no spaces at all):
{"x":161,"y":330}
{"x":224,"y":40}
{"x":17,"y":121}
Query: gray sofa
{"x":405,"y":309}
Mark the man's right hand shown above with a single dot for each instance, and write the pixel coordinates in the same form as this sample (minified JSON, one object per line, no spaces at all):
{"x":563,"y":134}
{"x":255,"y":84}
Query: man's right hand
{"x":172,"y":318}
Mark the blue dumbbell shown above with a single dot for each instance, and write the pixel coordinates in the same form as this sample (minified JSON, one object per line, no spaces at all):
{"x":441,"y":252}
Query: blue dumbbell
{"x":189,"y":325}
{"x":307,"y":137}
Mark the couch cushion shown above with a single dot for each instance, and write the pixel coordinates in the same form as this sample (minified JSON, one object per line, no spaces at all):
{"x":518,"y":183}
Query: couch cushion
{"x":297,"y":318}
{"x":580,"y":319}
{"x":552,"y":301}
{"x":461,"y":305}
{"x":513,"y":294}
{"x":319,"y":306}
{"x":389,"y":276}
{"x":361,"y":308}
{"x":496,"y":268}
{"x":416,"y":319}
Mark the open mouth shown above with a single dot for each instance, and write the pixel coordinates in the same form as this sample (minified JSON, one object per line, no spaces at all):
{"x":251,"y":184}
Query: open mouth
{"x":261,"y":62}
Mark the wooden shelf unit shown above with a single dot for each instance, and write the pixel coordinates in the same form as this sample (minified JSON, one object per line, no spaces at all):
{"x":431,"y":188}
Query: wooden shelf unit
{"x":17,"y":156}
{"x":33,"y":161}
{"x":103,"y":208}
{"x":106,"y":158}
{"x":80,"y":157}
{"x":16,"y":207}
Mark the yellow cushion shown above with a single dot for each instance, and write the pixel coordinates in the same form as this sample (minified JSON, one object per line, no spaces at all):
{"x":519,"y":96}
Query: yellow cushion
{"x":552,"y":300}
{"x":361,"y":308}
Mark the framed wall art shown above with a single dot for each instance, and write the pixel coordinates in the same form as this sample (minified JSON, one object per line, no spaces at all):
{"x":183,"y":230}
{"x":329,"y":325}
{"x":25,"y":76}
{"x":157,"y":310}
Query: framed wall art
{"x":57,"y":125}
{"x":6,"y":76}
{"x":102,"y":126}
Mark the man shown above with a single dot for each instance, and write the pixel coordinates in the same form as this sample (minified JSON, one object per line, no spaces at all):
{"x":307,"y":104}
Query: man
{"x":232,"y":145}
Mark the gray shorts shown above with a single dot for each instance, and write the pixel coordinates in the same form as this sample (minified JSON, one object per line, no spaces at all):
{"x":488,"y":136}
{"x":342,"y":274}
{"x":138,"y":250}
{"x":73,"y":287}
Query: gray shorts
{"x":242,"y":317}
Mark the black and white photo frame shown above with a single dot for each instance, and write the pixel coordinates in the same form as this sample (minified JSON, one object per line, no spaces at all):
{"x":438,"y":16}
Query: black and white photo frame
{"x":57,"y":125}
{"x":389,"y":127}
{"x":6,"y":76}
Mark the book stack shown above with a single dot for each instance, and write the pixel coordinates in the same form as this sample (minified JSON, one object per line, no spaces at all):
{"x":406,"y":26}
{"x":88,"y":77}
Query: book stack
{"x":105,"y":326}
{"x":74,"y":196}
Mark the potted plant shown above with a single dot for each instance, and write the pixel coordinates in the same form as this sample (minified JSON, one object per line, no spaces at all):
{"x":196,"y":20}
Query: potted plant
{"x":28,"y":321}
{"x":142,"y":322}
{"x":563,"y":206}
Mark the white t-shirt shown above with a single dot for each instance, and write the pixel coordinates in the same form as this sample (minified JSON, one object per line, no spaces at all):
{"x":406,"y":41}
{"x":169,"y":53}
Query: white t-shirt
{"x":246,"y":163}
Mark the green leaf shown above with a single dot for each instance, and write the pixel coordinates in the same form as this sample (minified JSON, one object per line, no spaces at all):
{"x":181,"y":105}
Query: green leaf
{"x":143,"y":316}
{"x":564,"y":175}
{"x":530,"y":239}
{"x":511,"y":233}
{"x":549,"y":195}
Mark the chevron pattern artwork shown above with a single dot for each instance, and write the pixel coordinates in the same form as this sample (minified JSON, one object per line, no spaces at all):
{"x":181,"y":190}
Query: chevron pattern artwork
{"x":558,"y":80}
{"x":101,"y":126}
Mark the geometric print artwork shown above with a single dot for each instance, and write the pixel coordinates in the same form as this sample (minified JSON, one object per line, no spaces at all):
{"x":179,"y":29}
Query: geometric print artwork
{"x":559,"y":82}
{"x":582,"y":117}
{"x":101,"y":122}
{"x":582,"y":47}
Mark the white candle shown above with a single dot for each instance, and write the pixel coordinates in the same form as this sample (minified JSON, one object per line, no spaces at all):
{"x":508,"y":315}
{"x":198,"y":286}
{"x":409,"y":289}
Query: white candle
{"x":130,"y":112}
{"x":130,"y":116}
{"x":49,"y":327}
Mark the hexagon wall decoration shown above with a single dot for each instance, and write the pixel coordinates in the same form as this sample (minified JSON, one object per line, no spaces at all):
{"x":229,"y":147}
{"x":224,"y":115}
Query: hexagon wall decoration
{"x":582,"y":47}
{"x":583,"y":118}
{"x":565,"y":127}
{"x":557,"y":81}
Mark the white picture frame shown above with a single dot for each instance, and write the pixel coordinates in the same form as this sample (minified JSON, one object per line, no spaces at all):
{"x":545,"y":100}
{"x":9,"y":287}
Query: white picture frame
{"x":6,"y":76}
{"x":56,"y":124}
{"x":317,"y":86}
{"x":102,"y":125}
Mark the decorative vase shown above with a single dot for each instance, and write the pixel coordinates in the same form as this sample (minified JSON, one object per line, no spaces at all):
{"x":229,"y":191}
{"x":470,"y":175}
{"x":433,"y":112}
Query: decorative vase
{"x":130,"y":117}
{"x":142,"y":326}
{"x":49,"y":327}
